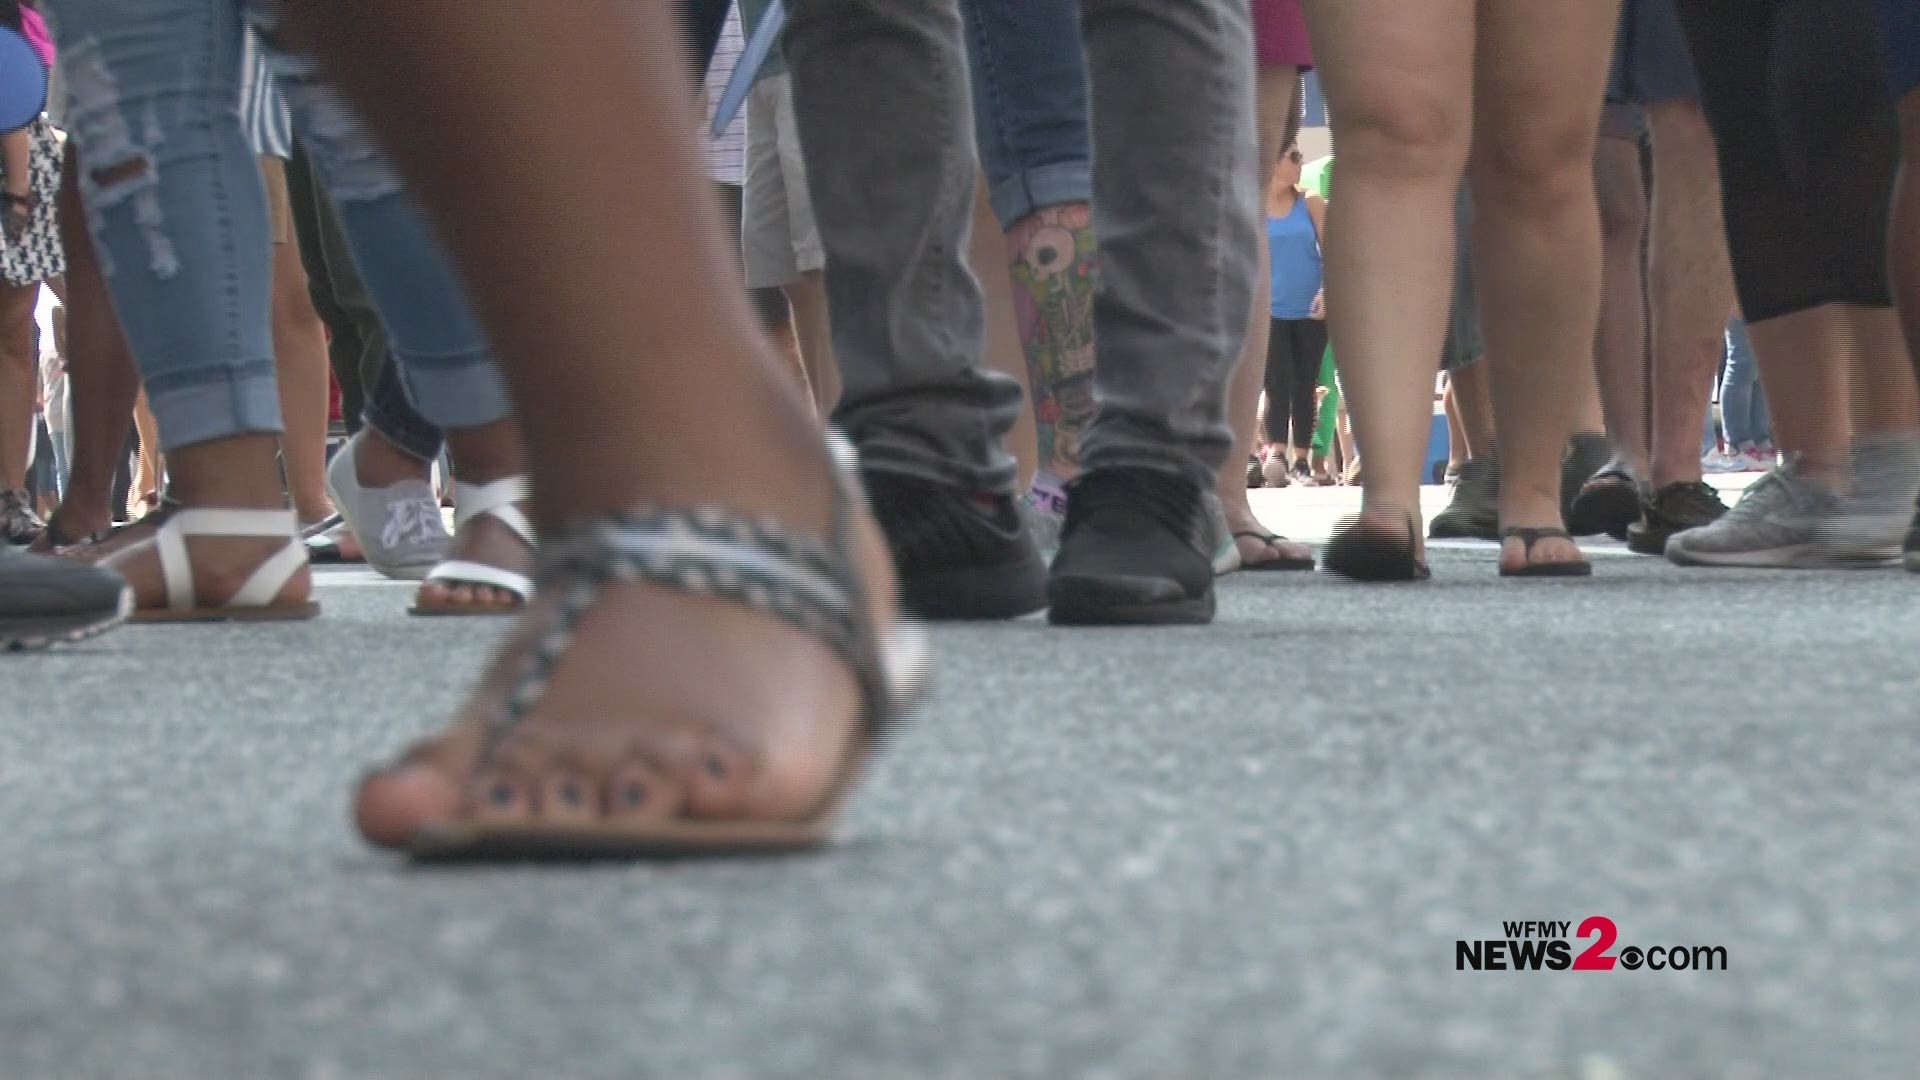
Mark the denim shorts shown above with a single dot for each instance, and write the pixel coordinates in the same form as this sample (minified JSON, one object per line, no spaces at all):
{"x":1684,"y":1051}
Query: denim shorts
{"x":1900,"y":40}
{"x":1651,"y":60}
{"x":1464,"y":344}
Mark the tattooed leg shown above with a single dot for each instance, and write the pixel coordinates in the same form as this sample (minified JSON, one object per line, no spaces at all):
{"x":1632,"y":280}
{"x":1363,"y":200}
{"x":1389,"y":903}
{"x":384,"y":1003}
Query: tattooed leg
{"x":1052,"y":256}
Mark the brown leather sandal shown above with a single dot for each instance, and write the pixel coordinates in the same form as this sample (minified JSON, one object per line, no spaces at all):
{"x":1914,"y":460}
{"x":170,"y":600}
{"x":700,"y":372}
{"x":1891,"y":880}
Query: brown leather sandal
{"x":715,"y":553}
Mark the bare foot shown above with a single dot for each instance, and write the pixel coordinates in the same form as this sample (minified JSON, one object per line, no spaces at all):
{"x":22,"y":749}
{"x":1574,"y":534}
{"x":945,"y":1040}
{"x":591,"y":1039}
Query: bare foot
{"x":666,"y":706}
{"x":1547,"y":550}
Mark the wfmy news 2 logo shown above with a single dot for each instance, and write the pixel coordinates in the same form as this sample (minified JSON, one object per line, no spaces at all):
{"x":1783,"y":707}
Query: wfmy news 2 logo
{"x":1534,"y":946}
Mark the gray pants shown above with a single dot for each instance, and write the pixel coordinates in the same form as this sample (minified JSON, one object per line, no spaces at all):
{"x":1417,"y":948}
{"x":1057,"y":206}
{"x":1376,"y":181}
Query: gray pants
{"x":880,"y":88}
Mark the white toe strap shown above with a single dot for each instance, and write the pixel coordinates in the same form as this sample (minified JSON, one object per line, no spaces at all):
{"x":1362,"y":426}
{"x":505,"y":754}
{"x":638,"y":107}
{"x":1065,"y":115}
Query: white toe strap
{"x":176,"y":569}
{"x":461,"y":572}
{"x":497,"y":499}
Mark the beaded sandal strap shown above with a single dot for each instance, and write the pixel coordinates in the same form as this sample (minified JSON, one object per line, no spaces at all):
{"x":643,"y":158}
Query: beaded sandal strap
{"x":707,"y":551}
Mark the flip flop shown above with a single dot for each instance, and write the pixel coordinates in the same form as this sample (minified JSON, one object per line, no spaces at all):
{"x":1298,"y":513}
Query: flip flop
{"x":1268,"y":540}
{"x":747,"y":561}
{"x":1366,"y":554}
{"x":1530,"y":537}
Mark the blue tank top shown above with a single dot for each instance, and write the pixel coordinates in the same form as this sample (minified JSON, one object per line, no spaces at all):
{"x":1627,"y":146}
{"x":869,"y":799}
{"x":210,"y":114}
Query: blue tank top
{"x":1296,"y":262}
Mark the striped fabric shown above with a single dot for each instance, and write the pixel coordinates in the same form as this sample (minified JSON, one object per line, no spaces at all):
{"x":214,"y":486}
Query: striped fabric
{"x":263,"y":110}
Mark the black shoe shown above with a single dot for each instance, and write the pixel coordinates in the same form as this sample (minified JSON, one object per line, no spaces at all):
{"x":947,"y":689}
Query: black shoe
{"x":1912,"y":549}
{"x":1474,"y":513}
{"x":959,"y":555}
{"x":44,"y":600}
{"x":1133,"y":552}
{"x":1256,"y":475}
{"x":1674,"y":508}
{"x":1364,"y":553}
{"x":1586,"y":456}
{"x":1607,"y":503}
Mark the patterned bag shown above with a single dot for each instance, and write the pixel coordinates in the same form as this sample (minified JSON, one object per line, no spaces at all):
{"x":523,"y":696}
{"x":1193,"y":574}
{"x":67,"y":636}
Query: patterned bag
{"x":38,"y":255}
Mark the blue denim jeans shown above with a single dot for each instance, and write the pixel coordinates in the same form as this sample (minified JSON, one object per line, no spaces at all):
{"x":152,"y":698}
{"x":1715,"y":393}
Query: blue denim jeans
{"x":1743,"y":406}
{"x":1030,"y":115}
{"x":176,"y":207}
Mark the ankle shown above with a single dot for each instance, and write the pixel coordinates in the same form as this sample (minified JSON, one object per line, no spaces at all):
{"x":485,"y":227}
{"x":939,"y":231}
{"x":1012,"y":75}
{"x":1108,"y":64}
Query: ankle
{"x":241,"y":472}
{"x":482,"y":455}
{"x":379,"y":462}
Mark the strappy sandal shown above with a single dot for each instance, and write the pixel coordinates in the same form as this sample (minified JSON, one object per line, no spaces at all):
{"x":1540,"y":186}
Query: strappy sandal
{"x":707,"y":552}
{"x":254,"y":601}
{"x":1530,"y":537}
{"x":1366,"y":554}
{"x":498,"y":500}
{"x":1267,"y":540}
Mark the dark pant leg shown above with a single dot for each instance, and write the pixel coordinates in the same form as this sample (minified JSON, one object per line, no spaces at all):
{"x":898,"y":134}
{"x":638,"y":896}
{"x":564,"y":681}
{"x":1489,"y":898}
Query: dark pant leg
{"x":1279,"y":380}
{"x":1309,"y":341}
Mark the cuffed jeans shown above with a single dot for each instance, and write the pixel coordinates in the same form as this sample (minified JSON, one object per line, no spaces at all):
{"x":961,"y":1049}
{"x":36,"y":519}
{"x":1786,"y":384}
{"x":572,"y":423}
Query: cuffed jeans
{"x":176,"y":207}
{"x":1029,"y":77}
{"x":1176,"y":209}
{"x":1743,"y":405}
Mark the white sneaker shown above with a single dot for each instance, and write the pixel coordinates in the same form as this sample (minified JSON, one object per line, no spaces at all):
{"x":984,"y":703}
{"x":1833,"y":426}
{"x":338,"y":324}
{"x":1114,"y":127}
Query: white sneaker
{"x":1757,"y":459}
{"x":1717,"y":461}
{"x":1870,"y":523}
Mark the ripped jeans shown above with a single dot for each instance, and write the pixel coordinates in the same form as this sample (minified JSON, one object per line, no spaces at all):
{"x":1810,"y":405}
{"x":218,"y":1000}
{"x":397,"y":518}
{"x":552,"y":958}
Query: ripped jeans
{"x":176,"y":207}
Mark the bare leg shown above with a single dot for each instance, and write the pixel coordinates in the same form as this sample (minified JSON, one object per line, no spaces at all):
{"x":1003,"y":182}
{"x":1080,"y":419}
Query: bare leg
{"x":300,"y":362}
{"x":1537,"y":242}
{"x":1690,"y":284}
{"x":1620,"y":346}
{"x":807,"y":299}
{"x":150,"y":471}
{"x":19,"y":376}
{"x":1399,"y":81}
{"x":103,"y":384}
{"x":657,"y":682}
{"x":1277,"y":110}
{"x":1808,"y":400}
{"x":1885,"y":398}
{"x":1473,"y":399}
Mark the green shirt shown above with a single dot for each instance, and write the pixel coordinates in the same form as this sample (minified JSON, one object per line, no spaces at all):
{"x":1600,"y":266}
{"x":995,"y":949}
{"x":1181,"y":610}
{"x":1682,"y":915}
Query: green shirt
{"x":1317,"y":177}
{"x":751,"y":12}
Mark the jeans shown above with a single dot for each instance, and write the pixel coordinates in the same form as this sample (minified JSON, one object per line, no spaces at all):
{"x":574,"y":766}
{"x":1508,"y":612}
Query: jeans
{"x":1743,"y":406}
{"x":176,"y":207}
{"x":1175,"y":203}
{"x":371,"y":389}
{"x":1029,"y":77}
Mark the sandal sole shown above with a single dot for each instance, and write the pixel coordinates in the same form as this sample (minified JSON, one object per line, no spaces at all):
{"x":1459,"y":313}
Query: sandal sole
{"x":31,"y":635}
{"x":284,"y":613}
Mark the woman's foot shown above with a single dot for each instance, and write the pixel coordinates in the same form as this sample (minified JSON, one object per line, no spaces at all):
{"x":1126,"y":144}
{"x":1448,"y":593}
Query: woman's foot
{"x":218,"y":568}
{"x":1545,"y":551}
{"x":1378,"y":546}
{"x":1249,"y":536}
{"x":486,"y":545}
{"x":665,"y":707}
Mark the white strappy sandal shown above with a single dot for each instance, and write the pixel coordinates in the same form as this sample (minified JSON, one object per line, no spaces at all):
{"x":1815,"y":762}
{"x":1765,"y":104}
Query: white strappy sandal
{"x":254,"y":601}
{"x":498,"y":500}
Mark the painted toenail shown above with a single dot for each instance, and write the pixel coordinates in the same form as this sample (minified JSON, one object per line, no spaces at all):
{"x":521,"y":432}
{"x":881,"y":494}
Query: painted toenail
{"x":570,"y":794}
{"x":500,"y":795}
{"x":716,"y":768}
{"x":634,"y":794}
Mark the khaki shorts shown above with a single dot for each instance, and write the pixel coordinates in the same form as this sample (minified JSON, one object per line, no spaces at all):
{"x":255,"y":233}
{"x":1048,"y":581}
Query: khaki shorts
{"x":778,"y":236}
{"x":273,"y":172}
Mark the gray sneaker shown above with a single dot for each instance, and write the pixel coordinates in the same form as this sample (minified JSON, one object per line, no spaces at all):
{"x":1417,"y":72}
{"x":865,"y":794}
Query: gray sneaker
{"x":1773,"y":525}
{"x":1871,"y":521}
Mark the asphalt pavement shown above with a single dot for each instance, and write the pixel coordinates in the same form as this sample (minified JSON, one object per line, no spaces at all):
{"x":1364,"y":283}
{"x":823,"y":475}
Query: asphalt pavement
{"x":1248,"y":850}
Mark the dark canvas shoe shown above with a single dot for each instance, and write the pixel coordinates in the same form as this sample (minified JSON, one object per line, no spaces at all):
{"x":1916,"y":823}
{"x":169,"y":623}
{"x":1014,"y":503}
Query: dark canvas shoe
{"x":1912,"y":551}
{"x":1607,"y":502}
{"x":1474,"y":513}
{"x":45,"y":600}
{"x":960,"y":555}
{"x":1135,"y":552}
{"x":1674,"y":509}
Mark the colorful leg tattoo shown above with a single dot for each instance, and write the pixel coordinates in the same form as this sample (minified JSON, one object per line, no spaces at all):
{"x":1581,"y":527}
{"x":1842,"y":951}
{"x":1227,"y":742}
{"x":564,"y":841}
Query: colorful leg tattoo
{"x":1054,"y":269}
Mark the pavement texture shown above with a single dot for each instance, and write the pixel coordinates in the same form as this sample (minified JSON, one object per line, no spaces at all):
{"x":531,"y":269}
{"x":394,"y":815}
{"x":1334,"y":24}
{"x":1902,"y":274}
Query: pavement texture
{"x":1239,"y":851}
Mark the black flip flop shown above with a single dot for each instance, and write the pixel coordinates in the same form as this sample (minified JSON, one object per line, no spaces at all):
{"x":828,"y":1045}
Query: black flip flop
{"x":1283,"y":563}
{"x":1530,"y":537}
{"x":1366,"y":554}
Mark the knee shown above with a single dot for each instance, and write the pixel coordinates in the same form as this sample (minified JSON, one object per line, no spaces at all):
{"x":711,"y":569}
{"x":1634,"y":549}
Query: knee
{"x":1538,"y":170}
{"x":1403,"y":134}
